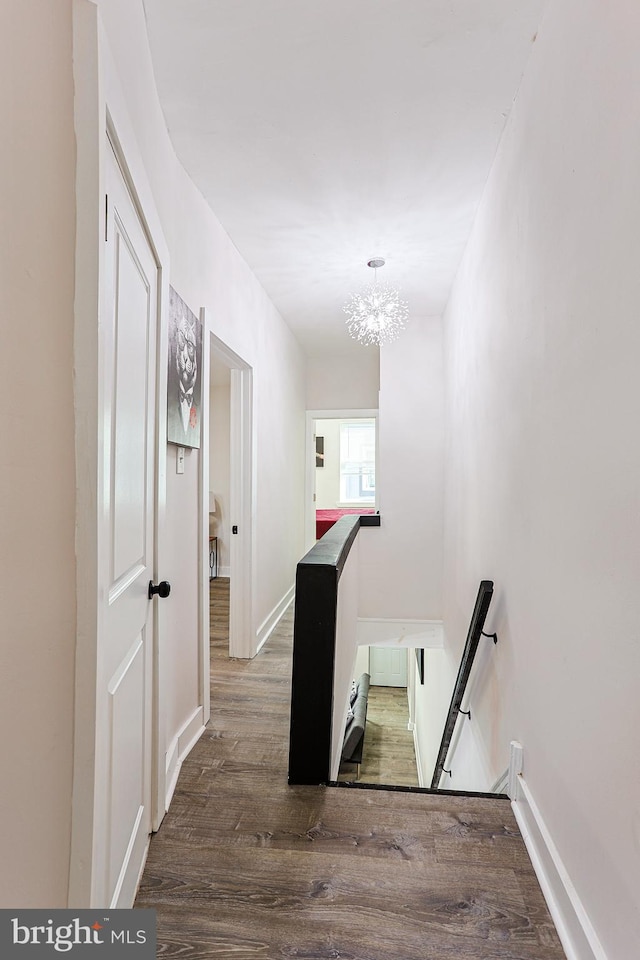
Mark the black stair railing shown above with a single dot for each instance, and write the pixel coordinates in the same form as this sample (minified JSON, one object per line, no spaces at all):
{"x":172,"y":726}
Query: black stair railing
{"x":485,"y":592}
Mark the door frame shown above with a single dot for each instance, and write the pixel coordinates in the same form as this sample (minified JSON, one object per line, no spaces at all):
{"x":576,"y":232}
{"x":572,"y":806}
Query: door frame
{"x":310,"y":462}
{"x":102,"y":123}
{"x":242,"y":493}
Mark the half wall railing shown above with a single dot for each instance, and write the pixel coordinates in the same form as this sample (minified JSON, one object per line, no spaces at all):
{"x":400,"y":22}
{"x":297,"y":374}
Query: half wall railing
{"x":324,"y":647}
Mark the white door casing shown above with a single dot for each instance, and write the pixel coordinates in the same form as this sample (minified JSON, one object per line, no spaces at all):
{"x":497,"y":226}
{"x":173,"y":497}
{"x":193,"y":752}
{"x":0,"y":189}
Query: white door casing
{"x":126,"y":555}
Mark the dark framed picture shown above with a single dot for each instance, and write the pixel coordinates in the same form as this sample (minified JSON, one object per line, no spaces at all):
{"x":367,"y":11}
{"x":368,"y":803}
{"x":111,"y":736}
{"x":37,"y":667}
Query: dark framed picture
{"x":420,"y":663}
{"x":184,"y":378}
{"x":319,"y":451}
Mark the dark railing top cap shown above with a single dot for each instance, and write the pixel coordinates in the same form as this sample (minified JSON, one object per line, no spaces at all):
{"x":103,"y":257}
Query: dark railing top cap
{"x":333,"y":548}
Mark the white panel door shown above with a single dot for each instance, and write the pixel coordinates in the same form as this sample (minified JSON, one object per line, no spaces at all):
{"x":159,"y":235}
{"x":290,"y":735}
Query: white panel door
{"x":124,"y":694}
{"x":388,"y":666}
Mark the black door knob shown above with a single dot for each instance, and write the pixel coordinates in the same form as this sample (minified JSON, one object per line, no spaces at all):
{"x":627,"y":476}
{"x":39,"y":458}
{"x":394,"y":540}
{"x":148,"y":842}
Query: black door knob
{"x":163,"y":589}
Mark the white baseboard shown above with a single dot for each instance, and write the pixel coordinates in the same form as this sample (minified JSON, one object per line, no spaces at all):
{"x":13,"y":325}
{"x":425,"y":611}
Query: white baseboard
{"x":132,"y":866}
{"x":270,"y":622}
{"x":578,"y":938}
{"x":416,"y":748}
{"x":379,"y":632}
{"x":179,"y":749}
{"x":224,"y":572}
{"x":501,"y":784}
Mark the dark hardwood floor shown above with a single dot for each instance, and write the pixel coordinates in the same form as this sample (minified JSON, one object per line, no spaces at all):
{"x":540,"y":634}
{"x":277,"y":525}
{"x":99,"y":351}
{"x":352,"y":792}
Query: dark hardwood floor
{"x":246,"y":867}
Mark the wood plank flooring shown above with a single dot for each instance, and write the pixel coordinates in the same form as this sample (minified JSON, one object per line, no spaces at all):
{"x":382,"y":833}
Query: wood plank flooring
{"x":245,"y":867}
{"x":388,"y":756}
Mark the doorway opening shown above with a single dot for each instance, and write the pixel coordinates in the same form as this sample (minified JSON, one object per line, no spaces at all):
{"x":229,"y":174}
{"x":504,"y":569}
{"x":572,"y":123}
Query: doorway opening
{"x":219,"y":503}
{"x":341,"y":467}
{"x":230,"y":495}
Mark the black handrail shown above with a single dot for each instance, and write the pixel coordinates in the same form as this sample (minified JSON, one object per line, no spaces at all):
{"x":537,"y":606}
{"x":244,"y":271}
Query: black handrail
{"x":485,"y":592}
{"x":314,"y":641}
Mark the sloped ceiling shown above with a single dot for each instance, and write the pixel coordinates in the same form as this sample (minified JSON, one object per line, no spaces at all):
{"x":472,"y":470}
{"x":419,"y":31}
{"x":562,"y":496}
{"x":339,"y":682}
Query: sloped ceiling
{"x":323,"y":134}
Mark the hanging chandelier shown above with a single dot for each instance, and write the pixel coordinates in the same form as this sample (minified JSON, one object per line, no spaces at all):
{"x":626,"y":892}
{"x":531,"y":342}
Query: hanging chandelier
{"x":377,"y":315}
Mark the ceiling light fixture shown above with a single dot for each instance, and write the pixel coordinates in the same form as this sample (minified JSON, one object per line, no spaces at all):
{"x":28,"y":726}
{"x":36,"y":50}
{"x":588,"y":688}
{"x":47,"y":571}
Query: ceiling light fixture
{"x":377,"y":315}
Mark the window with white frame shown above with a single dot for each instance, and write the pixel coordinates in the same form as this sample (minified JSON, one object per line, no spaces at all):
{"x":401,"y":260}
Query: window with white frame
{"x":358,"y":461}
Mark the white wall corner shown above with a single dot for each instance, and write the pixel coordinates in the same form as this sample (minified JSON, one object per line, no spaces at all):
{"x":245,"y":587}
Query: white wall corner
{"x":577,"y":935}
{"x":271,"y":621}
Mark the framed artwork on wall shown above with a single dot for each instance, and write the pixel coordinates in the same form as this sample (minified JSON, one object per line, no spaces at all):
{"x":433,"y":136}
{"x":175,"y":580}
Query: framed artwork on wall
{"x":319,"y":451}
{"x":184,"y":376}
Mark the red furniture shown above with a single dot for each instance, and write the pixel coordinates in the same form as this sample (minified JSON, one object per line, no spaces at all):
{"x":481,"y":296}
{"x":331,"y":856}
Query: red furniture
{"x":325,"y":519}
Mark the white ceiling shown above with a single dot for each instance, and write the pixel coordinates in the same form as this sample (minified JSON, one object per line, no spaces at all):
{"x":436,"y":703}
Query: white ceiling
{"x":323,"y":134}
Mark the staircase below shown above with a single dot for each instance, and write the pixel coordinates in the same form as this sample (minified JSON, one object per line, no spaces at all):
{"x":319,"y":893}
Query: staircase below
{"x":245,"y":866}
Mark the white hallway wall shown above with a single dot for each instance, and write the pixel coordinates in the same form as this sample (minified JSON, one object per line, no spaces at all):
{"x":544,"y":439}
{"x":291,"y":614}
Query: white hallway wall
{"x":401,"y":561}
{"x":543,"y":460}
{"x":207,"y":270}
{"x":344,"y":383}
{"x":37,"y":561}
{"x":37,"y":490}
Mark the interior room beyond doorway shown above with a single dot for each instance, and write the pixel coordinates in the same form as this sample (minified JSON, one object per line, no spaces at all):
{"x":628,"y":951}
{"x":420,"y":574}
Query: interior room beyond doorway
{"x":345,"y":468}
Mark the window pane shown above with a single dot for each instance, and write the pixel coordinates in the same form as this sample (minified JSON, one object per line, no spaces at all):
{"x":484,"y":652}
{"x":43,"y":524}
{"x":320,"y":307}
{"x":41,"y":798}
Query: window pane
{"x":357,"y":461}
